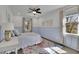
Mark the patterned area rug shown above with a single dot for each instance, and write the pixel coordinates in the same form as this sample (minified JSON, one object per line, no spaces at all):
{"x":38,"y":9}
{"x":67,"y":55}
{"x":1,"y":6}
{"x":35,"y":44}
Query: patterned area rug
{"x":38,"y":49}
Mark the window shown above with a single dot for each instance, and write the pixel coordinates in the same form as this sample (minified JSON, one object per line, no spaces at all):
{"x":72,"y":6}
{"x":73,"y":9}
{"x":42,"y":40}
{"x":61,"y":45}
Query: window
{"x":70,"y":24}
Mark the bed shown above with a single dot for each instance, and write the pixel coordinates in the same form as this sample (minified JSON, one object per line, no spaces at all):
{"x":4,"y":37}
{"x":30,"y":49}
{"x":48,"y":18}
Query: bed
{"x":29,"y":39}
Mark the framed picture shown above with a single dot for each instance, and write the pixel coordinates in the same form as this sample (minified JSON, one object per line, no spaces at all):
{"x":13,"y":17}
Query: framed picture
{"x":27,"y":25}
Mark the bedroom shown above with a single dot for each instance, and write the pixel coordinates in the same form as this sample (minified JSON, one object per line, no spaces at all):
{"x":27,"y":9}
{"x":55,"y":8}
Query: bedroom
{"x":37,"y":29}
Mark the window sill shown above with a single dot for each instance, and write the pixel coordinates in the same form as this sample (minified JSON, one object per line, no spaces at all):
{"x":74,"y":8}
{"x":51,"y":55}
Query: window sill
{"x":71,"y":34}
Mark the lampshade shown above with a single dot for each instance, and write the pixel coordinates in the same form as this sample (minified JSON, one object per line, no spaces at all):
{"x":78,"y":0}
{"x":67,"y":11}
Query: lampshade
{"x":8,"y":26}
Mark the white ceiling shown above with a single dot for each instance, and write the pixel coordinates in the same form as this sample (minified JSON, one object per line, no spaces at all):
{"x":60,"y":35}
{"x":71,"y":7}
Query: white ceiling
{"x":23,"y":9}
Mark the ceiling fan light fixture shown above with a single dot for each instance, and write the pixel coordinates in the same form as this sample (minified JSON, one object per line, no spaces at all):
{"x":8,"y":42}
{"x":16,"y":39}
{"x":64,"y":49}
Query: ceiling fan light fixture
{"x":34,"y":12}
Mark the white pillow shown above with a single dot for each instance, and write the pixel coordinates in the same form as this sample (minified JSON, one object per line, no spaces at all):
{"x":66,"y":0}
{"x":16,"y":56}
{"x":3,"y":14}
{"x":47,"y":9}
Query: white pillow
{"x":16,"y":32}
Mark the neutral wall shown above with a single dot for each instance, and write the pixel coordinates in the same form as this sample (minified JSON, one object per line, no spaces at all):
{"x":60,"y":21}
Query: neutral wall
{"x":2,"y":14}
{"x":52,"y":32}
{"x":54,"y":15}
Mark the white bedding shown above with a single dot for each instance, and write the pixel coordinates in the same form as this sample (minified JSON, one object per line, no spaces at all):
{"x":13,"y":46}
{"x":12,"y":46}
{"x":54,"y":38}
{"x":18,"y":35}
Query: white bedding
{"x":29,"y":39}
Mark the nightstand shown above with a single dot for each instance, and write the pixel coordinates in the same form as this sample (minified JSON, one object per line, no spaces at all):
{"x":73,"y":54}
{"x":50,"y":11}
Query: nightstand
{"x":11,"y":45}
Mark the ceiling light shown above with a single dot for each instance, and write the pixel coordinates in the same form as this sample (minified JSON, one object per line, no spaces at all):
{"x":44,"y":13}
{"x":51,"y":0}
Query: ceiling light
{"x":34,"y":12}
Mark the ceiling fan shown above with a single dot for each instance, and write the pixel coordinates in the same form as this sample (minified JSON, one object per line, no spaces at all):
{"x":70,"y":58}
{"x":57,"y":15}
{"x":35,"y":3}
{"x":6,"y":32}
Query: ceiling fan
{"x":34,"y":11}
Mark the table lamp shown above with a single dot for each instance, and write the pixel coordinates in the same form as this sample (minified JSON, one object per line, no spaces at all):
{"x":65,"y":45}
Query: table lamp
{"x":8,"y":31}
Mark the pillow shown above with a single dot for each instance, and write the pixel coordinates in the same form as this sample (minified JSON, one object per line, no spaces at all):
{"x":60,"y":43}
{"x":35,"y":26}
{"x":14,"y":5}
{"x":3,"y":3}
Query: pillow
{"x":16,"y":33}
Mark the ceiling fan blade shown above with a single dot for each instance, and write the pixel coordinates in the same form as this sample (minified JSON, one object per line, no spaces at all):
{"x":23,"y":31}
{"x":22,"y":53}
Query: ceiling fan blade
{"x":31,"y":9}
{"x":39,"y":12}
{"x":38,"y":9}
